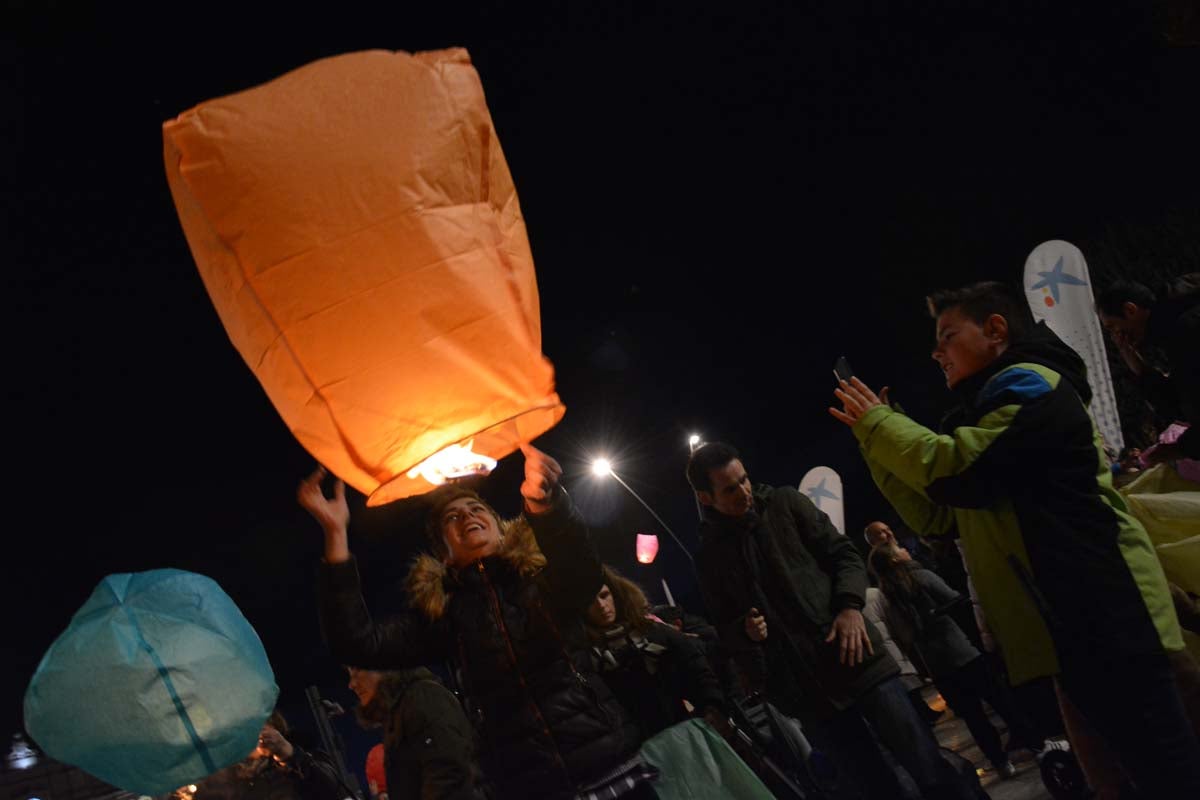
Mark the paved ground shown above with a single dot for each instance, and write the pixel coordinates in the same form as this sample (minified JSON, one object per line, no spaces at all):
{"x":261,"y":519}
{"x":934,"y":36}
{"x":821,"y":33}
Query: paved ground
{"x":952,"y":733}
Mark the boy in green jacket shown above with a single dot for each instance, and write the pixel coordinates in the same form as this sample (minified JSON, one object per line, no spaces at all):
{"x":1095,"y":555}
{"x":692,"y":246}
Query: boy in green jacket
{"x":1068,"y":580}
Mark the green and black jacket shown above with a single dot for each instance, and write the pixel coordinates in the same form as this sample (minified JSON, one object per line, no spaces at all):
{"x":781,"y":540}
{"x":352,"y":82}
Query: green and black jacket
{"x":1022,"y":476}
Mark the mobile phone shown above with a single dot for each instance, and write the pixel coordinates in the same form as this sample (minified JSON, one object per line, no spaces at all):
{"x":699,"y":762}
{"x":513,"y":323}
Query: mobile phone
{"x":841,"y":369}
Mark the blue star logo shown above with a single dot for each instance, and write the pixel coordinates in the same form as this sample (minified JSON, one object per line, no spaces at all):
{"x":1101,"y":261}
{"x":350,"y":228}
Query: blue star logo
{"x":815,"y":493}
{"x":1055,"y":277}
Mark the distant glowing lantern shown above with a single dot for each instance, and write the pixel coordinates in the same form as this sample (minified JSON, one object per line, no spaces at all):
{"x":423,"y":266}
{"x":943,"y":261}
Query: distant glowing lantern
{"x":356,"y":226}
{"x":647,"y":547}
{"x":157,"y":682}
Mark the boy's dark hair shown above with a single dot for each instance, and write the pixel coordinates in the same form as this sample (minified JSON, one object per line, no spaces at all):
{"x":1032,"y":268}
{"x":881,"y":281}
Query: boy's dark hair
{"x":706,"y":457}
{"x":979,"y":301}
{"x":1109,"y":301}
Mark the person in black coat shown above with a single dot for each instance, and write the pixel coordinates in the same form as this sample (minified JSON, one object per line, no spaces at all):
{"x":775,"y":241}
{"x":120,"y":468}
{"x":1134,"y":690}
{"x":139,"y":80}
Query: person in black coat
{"x":1138,"y":318}
{"x":778,"y":576}
{"x":428,"y":744}
{"x":277,"y":769}
{"x":651,"y":667}
{"x":918,"y":613}
{"x":505,"y":602}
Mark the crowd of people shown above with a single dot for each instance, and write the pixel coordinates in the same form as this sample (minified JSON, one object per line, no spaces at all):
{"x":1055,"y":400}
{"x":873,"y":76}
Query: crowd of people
{"x":1033,"y":591}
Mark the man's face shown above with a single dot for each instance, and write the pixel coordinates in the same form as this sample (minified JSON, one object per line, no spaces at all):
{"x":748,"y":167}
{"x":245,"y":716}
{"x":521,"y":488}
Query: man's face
{"x":470,"y":531}
{"x":364,"y":683}
{"x":731,"y":492}
{"x":603,"y":611}
{"x":964,"y":347}
{"x":1129,"y":327}
{"x":879,"y":532}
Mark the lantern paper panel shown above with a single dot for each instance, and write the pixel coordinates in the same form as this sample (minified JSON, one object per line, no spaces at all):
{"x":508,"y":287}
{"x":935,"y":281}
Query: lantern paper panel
{"x":157,"y":682}
{"x":357,"y":229}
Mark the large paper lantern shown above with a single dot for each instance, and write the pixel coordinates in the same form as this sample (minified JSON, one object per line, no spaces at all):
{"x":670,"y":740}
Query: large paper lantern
{"x":647,"y":547}
{"x":157,"y":682}
{"x":358,"y":231}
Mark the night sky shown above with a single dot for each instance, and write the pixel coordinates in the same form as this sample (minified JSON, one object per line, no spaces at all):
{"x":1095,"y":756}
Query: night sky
{"x":721,"y":200}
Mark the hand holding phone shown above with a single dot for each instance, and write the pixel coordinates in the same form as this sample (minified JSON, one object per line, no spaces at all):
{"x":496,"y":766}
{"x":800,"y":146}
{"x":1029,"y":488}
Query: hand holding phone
{"x":842,"y":370}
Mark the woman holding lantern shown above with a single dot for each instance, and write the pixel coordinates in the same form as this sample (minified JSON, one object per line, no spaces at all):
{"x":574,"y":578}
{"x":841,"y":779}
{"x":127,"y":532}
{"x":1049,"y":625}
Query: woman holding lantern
{"x":505,"y":600}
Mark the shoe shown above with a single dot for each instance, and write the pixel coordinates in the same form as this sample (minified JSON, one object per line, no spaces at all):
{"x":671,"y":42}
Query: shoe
{"x":1005,"y":770}
{"x":1052,"y":745}
{"x":930,"y":715}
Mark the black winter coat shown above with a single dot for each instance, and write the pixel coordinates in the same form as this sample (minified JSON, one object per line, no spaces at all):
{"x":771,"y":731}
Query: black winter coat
{"x":788,"y":560}
{"x":654,"y":671}
{"x":1174,"y":327}
{"x":513,"y":623}
{"x":428,"y":743}
{"x":305,"y":776}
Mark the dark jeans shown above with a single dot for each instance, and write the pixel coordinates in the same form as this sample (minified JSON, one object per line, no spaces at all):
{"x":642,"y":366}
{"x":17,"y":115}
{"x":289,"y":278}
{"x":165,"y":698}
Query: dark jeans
{"x":1134,"y":705}
{"x":964,"y":690}
{"x":891,"y":715}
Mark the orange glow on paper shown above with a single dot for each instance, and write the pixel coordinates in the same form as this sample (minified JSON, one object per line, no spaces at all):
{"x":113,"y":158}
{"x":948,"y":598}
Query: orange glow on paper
{"x":356,"y":226}
{"x":647,"y":547}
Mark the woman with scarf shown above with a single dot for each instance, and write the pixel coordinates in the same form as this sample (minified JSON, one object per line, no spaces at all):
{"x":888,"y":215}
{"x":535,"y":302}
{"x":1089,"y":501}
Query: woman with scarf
{"x":918,"y":602}
{"x":651,"y":667}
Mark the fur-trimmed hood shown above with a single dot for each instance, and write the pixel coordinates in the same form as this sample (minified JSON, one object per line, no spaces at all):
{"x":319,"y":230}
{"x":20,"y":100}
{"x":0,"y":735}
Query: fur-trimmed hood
{"x":430,"y":582}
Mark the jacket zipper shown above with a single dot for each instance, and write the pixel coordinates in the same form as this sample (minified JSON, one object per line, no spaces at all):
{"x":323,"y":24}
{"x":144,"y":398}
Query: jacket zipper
{"x":512,"y":656}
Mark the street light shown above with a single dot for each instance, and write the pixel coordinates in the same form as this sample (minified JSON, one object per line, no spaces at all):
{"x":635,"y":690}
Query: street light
{"x":602,"y":467}
{"x":693,"y":443}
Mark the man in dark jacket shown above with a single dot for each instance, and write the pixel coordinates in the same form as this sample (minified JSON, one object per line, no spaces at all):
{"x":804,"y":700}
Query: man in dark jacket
{"x":777,"y":575}
{"x":275,"y":770}
{"x":428,"y":744}
{"x":1137,"y":318}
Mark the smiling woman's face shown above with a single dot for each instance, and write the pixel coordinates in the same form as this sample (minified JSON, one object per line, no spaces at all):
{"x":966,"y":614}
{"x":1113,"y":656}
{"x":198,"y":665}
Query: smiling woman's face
{"x":470,"y":530}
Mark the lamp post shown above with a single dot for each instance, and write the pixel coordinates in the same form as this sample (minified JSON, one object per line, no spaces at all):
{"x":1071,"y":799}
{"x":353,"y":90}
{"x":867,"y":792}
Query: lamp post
{"x":602,"y":468}
{"x":693,"y":443}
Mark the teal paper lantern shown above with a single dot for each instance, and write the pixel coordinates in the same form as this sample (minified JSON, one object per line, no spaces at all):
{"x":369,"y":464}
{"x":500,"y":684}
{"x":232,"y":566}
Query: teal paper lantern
{"x":158,"y":682}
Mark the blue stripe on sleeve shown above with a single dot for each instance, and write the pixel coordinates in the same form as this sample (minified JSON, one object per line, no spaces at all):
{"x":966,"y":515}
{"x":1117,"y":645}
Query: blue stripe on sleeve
{"x":1022,"y":384}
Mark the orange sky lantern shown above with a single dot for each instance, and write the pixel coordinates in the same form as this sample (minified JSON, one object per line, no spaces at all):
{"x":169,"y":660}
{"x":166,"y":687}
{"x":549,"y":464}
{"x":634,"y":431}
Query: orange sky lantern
{"x":358,"y":231}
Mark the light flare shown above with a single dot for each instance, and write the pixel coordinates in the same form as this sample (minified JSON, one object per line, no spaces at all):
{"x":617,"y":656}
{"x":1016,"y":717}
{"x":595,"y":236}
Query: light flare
{"x":451,"y":463}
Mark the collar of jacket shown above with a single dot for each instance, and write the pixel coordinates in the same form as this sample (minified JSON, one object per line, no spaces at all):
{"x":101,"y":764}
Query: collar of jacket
{"x":431,"y":583}
{"x":1040,"y":346}
{"x":719,"y":523}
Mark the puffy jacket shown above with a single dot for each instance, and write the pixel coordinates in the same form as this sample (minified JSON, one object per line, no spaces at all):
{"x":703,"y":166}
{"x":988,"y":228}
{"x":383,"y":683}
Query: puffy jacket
{"x":654,"y":671}
{"x":428,"y":743}
{"x":512,"y":622}
{"x":1023,"y":476}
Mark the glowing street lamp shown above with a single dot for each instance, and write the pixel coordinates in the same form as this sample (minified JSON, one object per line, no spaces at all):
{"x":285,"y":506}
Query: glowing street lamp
{"x":693,"y":443}
{"x":602,"y":467}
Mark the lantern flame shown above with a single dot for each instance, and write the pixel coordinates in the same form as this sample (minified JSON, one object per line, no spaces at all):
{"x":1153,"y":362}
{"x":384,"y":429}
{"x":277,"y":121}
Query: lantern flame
{"x":451,"y":463}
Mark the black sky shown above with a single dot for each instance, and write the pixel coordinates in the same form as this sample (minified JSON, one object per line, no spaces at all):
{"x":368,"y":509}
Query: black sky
{"x":721,"y":200}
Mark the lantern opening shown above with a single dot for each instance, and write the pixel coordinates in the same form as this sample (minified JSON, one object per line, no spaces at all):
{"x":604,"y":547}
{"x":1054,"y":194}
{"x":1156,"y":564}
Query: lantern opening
{"x":647,"y":547}
{"x":451,"y":463}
